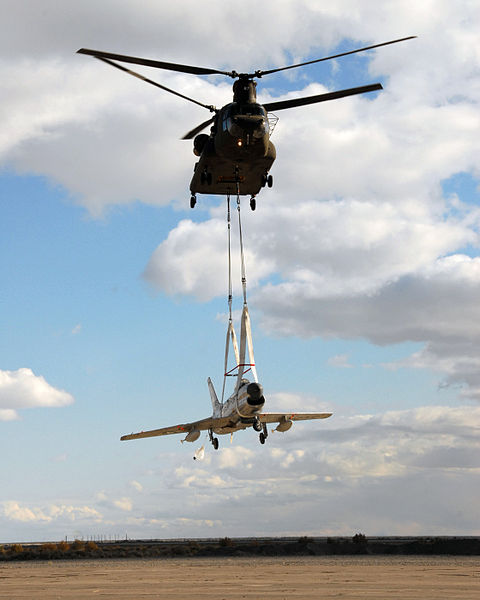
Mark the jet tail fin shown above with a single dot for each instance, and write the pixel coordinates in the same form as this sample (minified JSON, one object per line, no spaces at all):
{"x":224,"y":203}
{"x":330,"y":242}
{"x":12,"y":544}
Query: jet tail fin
{"x":216,"y":406}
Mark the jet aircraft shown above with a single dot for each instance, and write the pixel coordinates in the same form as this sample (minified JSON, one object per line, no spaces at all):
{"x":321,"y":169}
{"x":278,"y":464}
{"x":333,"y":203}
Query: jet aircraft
{"x":243,"y":409}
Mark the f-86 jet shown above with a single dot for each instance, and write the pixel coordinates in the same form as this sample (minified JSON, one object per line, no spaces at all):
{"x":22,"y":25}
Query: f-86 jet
{"x":243,"y":409}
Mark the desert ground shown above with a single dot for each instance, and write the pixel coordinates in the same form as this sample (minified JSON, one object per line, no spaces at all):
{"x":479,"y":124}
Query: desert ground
{"x":428,"y":578}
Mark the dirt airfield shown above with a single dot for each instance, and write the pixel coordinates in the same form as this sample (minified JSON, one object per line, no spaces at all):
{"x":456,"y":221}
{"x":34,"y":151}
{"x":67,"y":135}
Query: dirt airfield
{"x":346,"y":577}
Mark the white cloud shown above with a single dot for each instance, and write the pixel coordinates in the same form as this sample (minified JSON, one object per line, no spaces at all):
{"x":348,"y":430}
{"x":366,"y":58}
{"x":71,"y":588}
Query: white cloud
{"x":123,"y":504}
{"x":294,"y":402}
{"x":399,"y":472}
{"x":23,"y":389}
{"x":339,"y":361}
{"x":7,"y":414}
{"x":15,"y":511}
{"x":136,"y":485}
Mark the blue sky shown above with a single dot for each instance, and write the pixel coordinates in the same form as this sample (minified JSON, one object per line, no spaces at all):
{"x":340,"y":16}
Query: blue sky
{"x":362,"y":264}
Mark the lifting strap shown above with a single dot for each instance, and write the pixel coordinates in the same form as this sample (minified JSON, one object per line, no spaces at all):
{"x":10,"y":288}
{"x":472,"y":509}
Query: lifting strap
{"x":246,"y":343}
{"x":231,"y":336}
{"x":244,"y":277}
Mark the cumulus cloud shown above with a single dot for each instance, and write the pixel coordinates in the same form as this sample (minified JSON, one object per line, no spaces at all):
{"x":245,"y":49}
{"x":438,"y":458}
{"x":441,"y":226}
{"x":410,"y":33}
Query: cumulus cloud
{"x":398,"y":472}
{"x":23,"y":389}
{"x":403,"y":472}
{"x":15,"y":511}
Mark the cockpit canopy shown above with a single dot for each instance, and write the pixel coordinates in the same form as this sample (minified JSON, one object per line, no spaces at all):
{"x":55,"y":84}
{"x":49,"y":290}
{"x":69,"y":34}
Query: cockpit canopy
{"x":245,"y":119}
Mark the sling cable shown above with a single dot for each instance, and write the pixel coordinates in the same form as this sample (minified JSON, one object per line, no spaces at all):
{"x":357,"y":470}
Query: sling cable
{"x":242,"y":363}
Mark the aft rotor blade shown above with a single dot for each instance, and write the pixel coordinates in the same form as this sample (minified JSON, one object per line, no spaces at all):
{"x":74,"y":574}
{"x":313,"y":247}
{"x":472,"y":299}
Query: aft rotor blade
{"x":162,"y":87}
{"x":155,"y":63}
{"x":310,"y":62}
{"x":272,"y":106}
{"x":198,"y":129}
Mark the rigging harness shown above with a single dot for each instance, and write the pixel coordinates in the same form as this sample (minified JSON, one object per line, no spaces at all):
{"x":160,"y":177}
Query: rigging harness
{"x":246,"y":343}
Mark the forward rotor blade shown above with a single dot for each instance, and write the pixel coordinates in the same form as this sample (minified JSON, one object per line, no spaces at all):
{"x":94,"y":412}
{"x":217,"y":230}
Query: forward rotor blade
{"x":272,"y":106}
{"x":154,"y":63}
{"x":310,"y":62}
{"x":198,"y":129}
{"x":162,"y":87}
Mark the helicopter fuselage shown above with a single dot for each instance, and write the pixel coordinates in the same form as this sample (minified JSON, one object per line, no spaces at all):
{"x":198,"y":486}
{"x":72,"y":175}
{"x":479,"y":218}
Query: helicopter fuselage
{"x":237,"y":151}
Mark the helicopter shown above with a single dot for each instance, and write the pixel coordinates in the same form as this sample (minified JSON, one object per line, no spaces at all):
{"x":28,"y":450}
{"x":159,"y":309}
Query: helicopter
{"x":237,"y":155}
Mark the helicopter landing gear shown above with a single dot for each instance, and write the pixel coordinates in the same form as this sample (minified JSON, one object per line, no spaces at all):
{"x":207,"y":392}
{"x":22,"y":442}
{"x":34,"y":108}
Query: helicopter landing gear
{"x":263,"y":434}
{"x":193,"y":201}
{"x":213,"y":439}
{"x":206,"y":177}
{"x":267,"y":180}
{"x":253,"y":203}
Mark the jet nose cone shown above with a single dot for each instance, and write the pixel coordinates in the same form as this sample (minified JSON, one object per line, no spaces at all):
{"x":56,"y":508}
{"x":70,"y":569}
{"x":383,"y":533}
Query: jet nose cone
{"x":255,"y":391}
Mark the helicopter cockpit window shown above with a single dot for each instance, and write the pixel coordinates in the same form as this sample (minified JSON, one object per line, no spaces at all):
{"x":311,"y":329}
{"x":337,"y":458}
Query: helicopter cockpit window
{"x":249,"y":118}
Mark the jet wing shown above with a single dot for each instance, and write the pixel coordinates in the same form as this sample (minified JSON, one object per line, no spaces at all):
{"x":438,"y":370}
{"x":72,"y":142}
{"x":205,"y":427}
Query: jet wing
{"x":278,"y":417}
{"x":204,"y":424}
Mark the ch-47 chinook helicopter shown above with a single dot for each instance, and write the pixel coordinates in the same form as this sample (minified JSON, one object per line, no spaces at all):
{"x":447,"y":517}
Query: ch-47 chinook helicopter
{"x":237,"y":155}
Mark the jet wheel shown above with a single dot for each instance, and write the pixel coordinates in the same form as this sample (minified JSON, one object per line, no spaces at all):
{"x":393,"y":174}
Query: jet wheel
{"x":257,"y":425}
{"x":261,"y":437}
{"x":270,"y":181}
{"x":193,"y":201}
{"x":215,"y":443}
{"x":253,"y":203}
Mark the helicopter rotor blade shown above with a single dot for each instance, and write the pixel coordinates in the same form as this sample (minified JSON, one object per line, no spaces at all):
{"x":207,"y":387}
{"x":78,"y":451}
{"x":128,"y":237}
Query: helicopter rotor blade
{"x":155,"y":63}
{"x":310,"y":62}
{"x":191,"y":134}
{"x":272,"y":106}
{"x":159,"y":85}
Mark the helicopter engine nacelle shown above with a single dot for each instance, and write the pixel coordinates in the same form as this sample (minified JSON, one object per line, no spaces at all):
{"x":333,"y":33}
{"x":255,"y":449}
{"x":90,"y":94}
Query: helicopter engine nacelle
{"x":199,"y":143}
{"x":284,"y":425}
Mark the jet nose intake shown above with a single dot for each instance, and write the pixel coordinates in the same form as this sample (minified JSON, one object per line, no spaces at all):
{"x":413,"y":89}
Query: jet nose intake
{"x":254,"y":390}
{"x":255,"y":393}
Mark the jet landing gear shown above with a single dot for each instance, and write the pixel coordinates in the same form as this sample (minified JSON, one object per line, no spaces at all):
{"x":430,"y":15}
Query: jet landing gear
{"x":263,"y":434}
{"x":213,"y":439}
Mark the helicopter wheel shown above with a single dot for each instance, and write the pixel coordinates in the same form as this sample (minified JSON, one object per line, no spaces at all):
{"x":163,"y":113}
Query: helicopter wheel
{"x":270,"y":181}
{"x":193,"y":201}
{"x":253,"y":203}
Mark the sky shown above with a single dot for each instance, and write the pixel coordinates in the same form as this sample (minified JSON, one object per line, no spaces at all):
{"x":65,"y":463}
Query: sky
{"x":363,"y":271}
